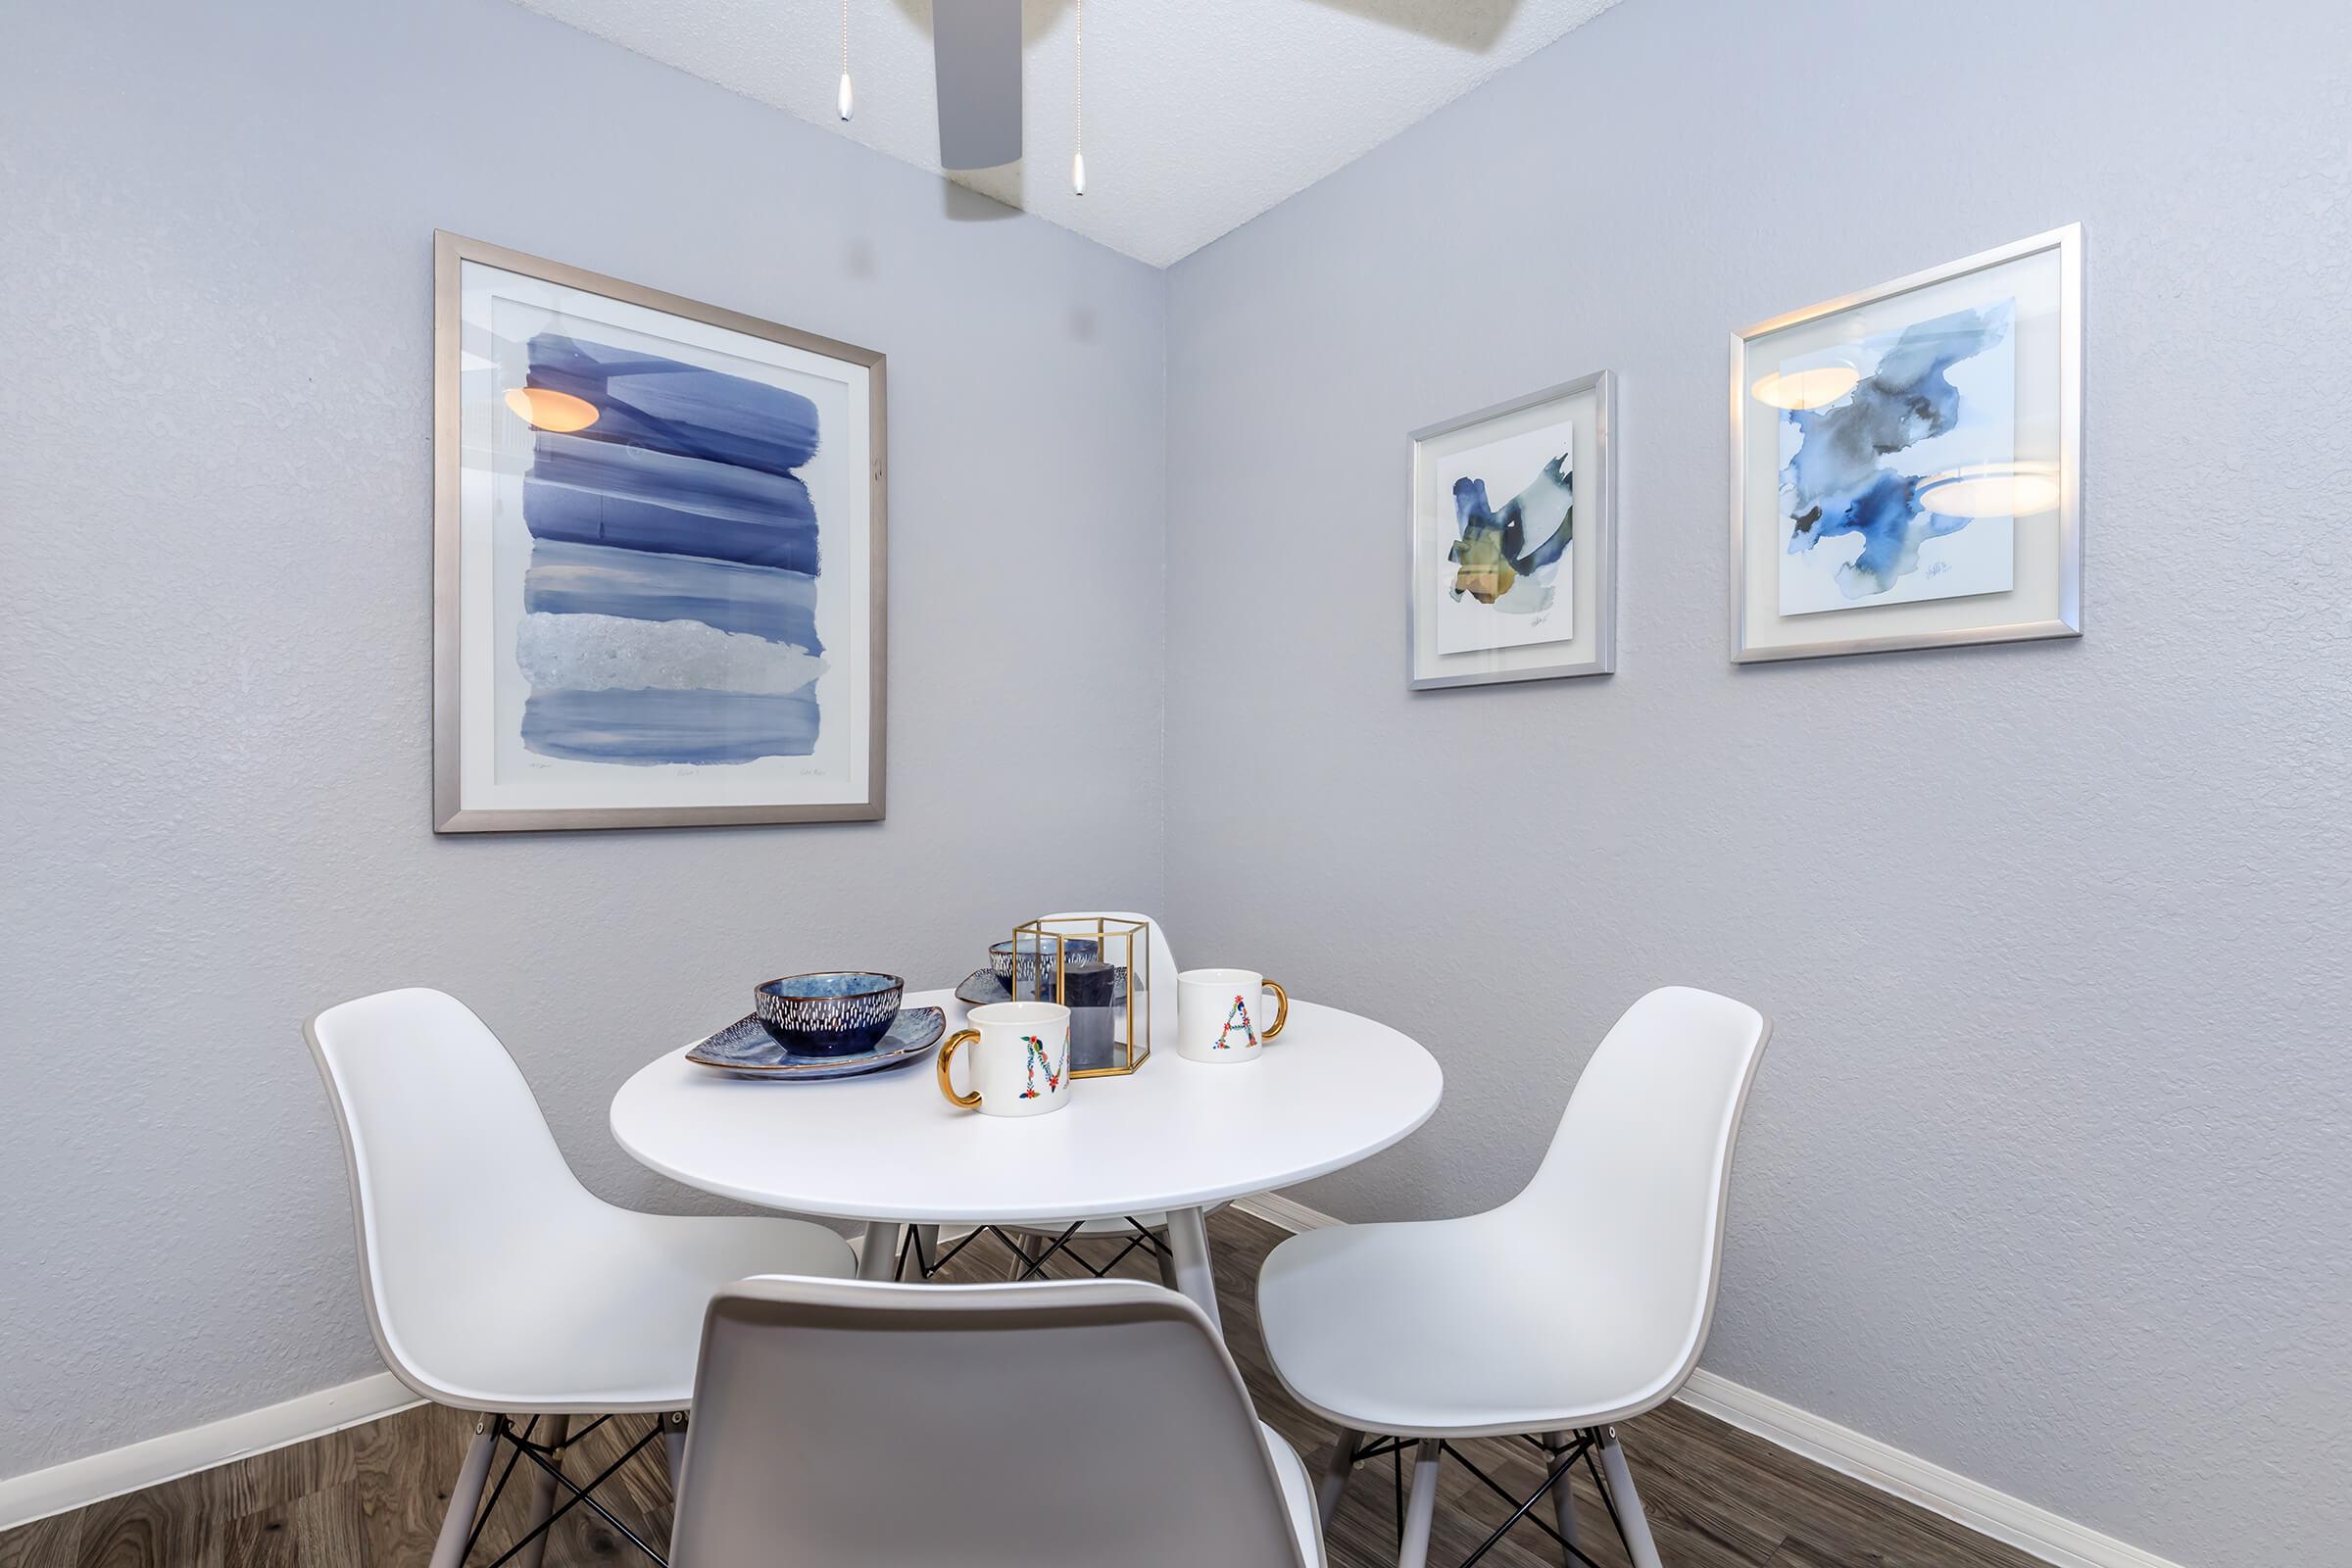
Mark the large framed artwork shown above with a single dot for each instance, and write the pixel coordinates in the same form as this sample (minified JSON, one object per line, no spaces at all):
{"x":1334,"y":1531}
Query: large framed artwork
{"x":658,"y":557}
{"x":1907,"y":462}
{"x":1513,"y":572}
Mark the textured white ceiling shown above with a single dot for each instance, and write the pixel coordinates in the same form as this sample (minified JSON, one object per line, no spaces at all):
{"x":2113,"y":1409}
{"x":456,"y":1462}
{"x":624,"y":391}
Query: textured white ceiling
{"x":1200,"y":113}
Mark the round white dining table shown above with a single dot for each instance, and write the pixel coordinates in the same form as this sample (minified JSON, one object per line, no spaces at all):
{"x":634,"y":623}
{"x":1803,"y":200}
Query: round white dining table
{"x":1176,"y":1136}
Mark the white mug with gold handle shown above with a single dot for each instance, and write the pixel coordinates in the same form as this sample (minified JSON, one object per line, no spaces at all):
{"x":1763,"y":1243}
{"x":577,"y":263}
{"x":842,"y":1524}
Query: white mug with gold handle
{"x":1219,"y":1013}
{"x":1020,"y":1059}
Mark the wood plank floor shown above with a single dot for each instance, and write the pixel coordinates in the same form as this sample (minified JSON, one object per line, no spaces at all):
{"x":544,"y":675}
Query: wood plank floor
{"x":371,"y":1496}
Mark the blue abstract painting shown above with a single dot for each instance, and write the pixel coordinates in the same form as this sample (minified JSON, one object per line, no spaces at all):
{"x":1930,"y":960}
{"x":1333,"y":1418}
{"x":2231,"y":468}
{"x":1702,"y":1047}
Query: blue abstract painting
{"x":1932,"y":400}
{"x":1508,"y":573}
{"x":1506,"y":558}
{"x":669,"y":606}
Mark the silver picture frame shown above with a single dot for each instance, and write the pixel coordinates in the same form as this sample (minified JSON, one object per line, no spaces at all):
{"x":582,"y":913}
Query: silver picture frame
{"x":1599,"y":653}
{"x":449,"y":813}
{"x":2066,"y":243}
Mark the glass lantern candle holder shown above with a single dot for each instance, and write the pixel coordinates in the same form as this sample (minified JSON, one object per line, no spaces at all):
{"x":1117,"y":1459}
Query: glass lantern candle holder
{"x":1100,"y":968}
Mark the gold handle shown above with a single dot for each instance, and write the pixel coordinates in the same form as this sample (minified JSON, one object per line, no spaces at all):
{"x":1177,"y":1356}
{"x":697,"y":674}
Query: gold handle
{"x":1282,"y":1009}
{"x":947,"y":1084}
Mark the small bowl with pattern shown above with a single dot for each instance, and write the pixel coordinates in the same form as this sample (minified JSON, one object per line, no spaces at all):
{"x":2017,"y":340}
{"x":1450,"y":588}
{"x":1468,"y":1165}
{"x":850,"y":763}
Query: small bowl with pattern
{"x":1006,"y":963}
{"x":833,"y":1013}
{"x":982,"y":987}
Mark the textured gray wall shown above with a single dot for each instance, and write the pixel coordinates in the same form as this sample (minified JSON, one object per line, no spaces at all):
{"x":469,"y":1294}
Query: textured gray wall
{"x":2045,"y":1176}
{"x":2043,"y":1179}
{"x":215,"y":623}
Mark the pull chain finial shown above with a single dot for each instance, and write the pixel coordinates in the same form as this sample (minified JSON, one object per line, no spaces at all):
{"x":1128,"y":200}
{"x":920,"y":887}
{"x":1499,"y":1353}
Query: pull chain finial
{"x":847,"y":102}
{"x":1078,"y":158}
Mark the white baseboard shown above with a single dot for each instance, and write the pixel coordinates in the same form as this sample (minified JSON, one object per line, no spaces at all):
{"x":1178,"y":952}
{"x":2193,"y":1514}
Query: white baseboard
{"x":2010,"y":1520}
{"x":2050,"y":1537}
{"x":78,"y":1483}
{"x":1288,"y":1213}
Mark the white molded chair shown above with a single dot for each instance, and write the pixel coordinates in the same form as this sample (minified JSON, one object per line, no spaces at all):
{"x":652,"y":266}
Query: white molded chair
{"x":1581,"y":1303}
{"x":495,"y":1282}
{"x":1068,"y":1424}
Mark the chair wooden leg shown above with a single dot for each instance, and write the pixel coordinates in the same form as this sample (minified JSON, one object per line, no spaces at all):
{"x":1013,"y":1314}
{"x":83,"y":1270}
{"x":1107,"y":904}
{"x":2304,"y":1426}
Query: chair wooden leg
{"x":1165,"y":1255}
{"x":1027,"y":1248}
{"x":1421,"y":1506}
{"x":1332,"y":1489}
{"x":673,"y":1449}
{"x":1196,"y":1276}
{"x":1563,"y":1500}
{"x":878,"y":1253}
{"x":464,"y":1498}
{"x":1630,"y":1520}
{"x":542,"y":1492}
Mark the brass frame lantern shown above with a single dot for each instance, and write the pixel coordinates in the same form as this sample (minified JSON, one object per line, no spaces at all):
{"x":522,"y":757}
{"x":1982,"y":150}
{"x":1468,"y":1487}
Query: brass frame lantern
{"x":1068,"y":947}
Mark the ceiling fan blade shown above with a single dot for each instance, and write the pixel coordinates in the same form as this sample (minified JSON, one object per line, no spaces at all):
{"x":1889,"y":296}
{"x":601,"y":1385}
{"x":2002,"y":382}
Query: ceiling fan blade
{"x":976,"y":55}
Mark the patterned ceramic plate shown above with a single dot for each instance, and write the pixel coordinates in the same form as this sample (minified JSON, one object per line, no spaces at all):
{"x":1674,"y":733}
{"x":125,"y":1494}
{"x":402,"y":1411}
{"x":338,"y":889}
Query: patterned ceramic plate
{"x":745,"y":1048}
{"x":982,"y":987}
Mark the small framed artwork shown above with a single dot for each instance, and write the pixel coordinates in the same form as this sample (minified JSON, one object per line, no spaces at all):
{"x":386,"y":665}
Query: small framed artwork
{"x":1907,"y":462}
{"x":658,"y":557}
{"x":1514,"y":562}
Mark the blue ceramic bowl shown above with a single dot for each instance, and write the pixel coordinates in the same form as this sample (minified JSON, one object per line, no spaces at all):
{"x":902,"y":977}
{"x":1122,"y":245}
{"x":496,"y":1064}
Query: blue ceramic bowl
{"x":834,"y":1014}
{"x":1025,"y":963}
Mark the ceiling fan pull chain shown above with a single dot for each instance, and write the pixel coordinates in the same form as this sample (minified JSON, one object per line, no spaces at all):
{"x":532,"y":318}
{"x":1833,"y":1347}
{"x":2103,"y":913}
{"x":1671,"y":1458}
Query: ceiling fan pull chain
{"x":1078,"y":158}
{"x":847,"y":102}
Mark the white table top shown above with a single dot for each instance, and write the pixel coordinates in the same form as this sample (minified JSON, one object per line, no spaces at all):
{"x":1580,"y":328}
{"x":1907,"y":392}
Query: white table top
{"x":1333,"y":1090}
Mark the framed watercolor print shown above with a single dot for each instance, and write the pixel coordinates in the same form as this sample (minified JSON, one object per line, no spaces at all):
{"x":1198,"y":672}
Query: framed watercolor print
{"x":1907,"y":462}
{"x":658,"y":557}
{"x":1513,"y":569}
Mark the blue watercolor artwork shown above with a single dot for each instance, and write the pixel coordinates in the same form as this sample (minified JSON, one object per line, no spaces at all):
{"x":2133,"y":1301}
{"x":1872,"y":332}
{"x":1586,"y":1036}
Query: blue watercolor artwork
{"x":1936,"y":398}
{"x":669,"y":606}
{"x":1506,"y":558}
{"x":1509,"y":571}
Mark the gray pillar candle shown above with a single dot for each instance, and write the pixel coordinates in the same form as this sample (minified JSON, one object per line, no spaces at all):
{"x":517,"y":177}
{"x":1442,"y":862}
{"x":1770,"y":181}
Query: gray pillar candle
{"x":1088,"y":985}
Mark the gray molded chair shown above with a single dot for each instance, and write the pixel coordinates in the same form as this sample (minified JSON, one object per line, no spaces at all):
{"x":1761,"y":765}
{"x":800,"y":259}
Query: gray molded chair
{"x":1077,"y":1422}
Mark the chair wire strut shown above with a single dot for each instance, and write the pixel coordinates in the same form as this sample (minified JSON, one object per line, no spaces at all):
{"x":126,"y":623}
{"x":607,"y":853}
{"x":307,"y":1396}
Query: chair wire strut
{"x":1560,"y":1460}
{"x":548,"y":1457}
{"x":912,"y":1251}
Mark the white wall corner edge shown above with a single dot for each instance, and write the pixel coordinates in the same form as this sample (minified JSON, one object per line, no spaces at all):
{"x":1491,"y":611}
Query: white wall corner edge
{"x":2012,"y":1521}
{"x":134,"y":1467}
